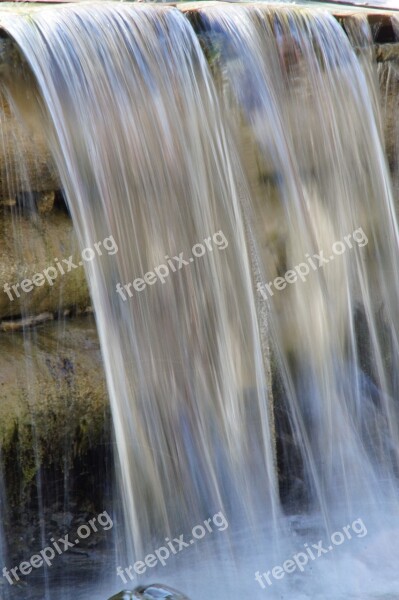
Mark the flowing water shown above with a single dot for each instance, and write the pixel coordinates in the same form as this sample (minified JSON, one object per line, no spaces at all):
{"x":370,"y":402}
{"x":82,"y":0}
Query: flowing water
{"x":203,"y":362}
{"x":332,"y":178}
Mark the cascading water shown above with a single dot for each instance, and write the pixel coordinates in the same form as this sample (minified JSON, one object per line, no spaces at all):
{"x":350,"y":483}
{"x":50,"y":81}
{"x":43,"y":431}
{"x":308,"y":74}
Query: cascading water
{"x":180,"y":358}
{"x":332,"y":176}
{"x":149,"y":151}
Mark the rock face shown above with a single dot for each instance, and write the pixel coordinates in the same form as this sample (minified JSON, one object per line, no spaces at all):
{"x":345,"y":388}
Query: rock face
{"x":53,"y":402}
{"x":29,"y":244}
{"x":388,"y":72}
{"x":55,"y":425}
{"x":35,"y":228}
{"x":27,"y":147}
{"x":55,"y":431}
{"x":25,"y":159}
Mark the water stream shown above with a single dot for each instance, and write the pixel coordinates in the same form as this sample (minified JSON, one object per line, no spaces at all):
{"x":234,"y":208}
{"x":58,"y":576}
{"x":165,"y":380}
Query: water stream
{"x":207,"y":355}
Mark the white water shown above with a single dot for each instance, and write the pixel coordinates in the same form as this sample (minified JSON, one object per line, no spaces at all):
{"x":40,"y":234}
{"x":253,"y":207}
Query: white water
{"x":143,"y":145}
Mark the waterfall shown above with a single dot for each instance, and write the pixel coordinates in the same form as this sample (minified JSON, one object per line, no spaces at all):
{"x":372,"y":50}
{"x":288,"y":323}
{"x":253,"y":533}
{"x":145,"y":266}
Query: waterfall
{"x":144,"y":157}
{"x":306,"y":98}
{"x":248,"y":316}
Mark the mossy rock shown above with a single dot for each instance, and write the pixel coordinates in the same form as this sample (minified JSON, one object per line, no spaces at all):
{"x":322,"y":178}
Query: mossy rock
{"x":53,"y":401}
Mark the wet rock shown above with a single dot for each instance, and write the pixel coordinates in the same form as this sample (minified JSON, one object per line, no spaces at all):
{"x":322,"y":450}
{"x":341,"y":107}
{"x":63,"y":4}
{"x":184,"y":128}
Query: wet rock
{"x":386,"y":52}
{"x":158,"y":591}
{"x":32,"y":201}
{"x":62,"y":519}
{"x":155,"y":591}
{"x":53,"y":403}
{"x":45,"y":202}
{"x":18,"y":324}
{"x":25,"y":158}
{"x":28,"y":247}
{"x":388,"y":74}
{"x":8,"y":202}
